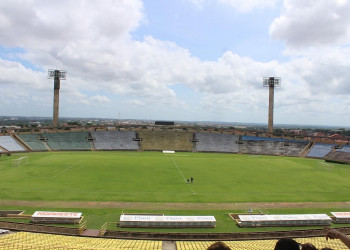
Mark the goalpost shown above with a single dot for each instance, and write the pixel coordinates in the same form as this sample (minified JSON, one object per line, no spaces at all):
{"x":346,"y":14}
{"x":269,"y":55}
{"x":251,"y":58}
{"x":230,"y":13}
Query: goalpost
{"x":20,"y":161}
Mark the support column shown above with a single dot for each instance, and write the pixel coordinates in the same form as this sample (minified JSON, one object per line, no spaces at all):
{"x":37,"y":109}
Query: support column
{"x":56,"y":99}
{"x":271,"y":101}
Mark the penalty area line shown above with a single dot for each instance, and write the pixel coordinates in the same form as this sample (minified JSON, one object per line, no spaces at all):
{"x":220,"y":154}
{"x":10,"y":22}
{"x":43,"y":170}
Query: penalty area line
{"x":66,"y":169}
{"x":177,"y":166}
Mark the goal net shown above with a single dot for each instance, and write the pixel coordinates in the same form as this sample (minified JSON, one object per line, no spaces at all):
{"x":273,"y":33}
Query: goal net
{"x":20,"y":161}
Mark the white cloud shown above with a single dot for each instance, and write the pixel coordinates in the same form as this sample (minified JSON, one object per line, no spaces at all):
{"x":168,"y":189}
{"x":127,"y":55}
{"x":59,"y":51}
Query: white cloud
{"x":100,"y":99}
{"x":15,"y":74}
{"x":101,"y":57}
{"x":305,"y":23}
{"x":48,"y":26}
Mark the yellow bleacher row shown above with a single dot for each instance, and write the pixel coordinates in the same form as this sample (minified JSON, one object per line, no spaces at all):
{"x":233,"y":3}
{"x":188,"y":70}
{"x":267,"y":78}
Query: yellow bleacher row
{"x":319,"y":242}
{"x":24,"y":240}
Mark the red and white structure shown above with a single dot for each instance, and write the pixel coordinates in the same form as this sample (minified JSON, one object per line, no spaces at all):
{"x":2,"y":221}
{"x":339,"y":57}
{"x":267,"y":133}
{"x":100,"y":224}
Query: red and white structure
{"x":56,"y":217}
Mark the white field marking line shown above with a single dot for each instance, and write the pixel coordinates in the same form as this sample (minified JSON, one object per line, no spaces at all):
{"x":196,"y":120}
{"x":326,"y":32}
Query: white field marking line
{"x":189,"y":186}
{"x":64,"y":170}
{"x":321,"y":162}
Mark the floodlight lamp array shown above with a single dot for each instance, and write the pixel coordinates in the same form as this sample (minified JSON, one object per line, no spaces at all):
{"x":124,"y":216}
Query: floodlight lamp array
{"x":272,"y":81}
{"x":54,"y":73}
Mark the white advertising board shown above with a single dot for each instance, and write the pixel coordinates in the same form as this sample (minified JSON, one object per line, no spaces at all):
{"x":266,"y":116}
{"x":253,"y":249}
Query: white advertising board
{"x":49,"y":214}
{"x":282,"y":217}
{"x":151,"y":218}
{"x":343,"y":215}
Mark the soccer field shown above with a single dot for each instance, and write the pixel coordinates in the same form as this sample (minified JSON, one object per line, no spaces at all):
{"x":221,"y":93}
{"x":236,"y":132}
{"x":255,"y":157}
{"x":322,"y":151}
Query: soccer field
{"x":156,"y":177}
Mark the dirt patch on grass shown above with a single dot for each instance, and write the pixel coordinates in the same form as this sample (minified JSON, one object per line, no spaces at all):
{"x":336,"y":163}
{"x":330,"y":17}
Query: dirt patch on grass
{"x":175,"y":206}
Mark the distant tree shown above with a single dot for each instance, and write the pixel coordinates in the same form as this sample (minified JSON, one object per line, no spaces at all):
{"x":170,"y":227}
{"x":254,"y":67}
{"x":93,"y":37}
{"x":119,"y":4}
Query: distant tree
{"x":278,"y":132}
{"x":74,"y":123}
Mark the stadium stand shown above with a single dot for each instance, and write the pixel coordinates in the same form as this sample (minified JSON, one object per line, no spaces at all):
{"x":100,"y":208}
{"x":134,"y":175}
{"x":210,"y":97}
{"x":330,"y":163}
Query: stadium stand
{"x":68,"y":141}
{"x":345,"y":148}
{"x":166,"y":140}
{"x":24,"y":240}
{"x":115,"y":140}
{"x":260,"y":147}
{"x":319,"y":242}
{"x":33,"y":142}
{"x":211,"y":142}
{"x":320,"y":150}
{"x":257,"y":138}
{"x":272,"y":147}
{"x":338,"y":157}
{"x":294,"y":148}
{"x":8,"y":143}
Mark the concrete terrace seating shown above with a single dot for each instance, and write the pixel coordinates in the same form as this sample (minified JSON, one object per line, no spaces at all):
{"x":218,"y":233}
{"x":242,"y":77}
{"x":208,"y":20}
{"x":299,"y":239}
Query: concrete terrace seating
{"x":294,"y":148}
{"x":261,"y":147}
{"x":166,"y":140}
{"x":10,"y":144}
{"x":272,"y":147}
{"x":338,"y":156}
{"x":211,"y":142}
{"x":33,"y":142}
{"x":115,"y":140}
{"x":320,"y":150}
{"x":68,"y":141}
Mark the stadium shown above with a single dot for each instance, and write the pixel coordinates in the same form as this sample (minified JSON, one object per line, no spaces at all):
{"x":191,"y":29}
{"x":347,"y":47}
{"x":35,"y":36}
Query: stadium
{"x":160,"y":139}
{"x":165,"y":171}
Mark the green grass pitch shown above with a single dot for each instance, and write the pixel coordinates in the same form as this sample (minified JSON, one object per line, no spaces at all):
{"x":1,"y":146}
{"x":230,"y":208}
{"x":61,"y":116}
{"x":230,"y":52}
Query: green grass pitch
{"x":156,"y":177}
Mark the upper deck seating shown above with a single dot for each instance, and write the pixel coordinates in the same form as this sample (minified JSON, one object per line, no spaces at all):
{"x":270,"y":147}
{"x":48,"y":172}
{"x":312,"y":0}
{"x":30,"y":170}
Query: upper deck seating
{"x":211,"y":142}
{"x":320,"y":150}
{"x":115,"y":140}
{"x":33,"y":142}
{"x":10,"y":144}
{"x":68,"y":141}
{"x":166,"y":140}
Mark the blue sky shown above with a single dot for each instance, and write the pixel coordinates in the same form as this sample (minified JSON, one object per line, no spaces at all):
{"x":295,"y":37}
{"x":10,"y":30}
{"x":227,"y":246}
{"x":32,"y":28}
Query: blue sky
{"x":210,"y":30}
{"x":178,"y":60}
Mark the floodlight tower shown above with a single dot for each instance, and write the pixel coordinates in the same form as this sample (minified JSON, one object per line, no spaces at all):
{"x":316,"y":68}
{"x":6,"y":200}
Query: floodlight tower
{"x":57,"y":75}
{"x":271,"y":82}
